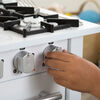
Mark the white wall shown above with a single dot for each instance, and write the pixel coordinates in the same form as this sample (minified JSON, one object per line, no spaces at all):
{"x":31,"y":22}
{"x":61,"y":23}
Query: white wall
{"x":71,"y":5}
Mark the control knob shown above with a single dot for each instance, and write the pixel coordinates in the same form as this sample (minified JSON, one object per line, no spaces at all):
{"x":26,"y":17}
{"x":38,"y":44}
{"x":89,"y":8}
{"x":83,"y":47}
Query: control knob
{"x":51,"y":48}
{"x":24,"y":62}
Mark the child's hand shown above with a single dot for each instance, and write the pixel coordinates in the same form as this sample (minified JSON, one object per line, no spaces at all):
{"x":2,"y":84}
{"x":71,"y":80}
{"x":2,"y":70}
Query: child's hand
{"x":74,"y":72}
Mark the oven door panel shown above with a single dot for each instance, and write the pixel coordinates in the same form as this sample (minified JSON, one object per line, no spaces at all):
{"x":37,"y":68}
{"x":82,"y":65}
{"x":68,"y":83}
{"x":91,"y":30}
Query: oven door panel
{"x":28,"y":88}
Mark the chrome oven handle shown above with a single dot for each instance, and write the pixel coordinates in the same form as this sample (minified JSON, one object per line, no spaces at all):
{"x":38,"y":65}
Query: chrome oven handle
{"x":53,"y":96}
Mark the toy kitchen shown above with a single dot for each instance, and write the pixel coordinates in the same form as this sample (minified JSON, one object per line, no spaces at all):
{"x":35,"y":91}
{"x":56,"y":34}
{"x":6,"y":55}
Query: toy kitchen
{"x":26,"y":35}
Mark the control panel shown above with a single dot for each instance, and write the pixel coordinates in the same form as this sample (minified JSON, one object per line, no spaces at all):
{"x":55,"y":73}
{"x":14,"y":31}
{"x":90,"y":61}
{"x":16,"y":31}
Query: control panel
{"x":27,"y":60}
{"x":23,"y":61}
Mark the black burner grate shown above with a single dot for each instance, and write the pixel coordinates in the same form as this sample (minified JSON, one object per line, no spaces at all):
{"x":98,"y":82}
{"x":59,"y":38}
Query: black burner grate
{"x":12,"y":16}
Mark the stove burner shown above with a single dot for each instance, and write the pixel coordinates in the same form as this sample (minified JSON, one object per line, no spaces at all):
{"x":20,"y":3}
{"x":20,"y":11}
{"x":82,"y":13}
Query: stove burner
{"x":28,"y":21}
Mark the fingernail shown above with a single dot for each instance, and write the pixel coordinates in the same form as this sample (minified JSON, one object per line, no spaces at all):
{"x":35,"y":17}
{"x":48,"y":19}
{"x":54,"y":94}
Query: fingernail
{"x":43,"y":64}
{"x":45,"y":57}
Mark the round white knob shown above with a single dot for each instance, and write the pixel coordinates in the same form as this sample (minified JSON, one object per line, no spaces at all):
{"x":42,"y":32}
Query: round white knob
{"x":24,"y":62}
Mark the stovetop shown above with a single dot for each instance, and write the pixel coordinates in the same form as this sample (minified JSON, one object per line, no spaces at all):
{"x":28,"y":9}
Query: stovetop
{"x":29,"y":20}
{"x":10,"y":40}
